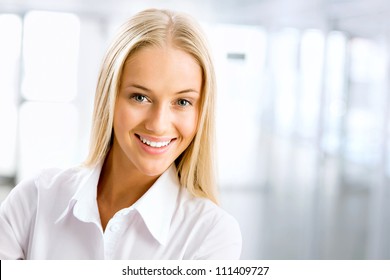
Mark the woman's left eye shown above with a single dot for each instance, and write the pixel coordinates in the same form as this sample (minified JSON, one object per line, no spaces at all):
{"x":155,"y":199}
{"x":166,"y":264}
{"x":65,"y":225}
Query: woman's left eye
{"x":183,"y":102}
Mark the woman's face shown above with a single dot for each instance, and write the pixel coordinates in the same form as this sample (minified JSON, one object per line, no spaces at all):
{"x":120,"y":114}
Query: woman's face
{"x":157,"y":108}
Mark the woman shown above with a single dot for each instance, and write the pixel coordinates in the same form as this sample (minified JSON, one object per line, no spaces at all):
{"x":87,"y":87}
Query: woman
{"x":147,"y":189}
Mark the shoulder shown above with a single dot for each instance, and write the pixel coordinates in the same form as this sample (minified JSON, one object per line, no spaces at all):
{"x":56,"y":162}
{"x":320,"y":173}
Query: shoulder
{"x":204,"y":208}
{"x":219,"y":233}
{"x":23,"y":195}
{"x":45,"y":182}
{"x":26,"y":191}
{"x":53,"y":177}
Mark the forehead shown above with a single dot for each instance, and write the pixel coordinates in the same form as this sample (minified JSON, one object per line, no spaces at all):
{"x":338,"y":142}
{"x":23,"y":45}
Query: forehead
{"x":162,"y":67}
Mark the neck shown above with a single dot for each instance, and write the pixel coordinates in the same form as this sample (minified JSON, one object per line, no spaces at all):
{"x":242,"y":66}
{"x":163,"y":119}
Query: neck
{"x":120,"y":183}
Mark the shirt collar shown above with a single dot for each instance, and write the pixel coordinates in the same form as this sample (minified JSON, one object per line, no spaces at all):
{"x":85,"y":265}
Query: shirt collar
{"x":158,"y":204}
{"x":83,"y":203}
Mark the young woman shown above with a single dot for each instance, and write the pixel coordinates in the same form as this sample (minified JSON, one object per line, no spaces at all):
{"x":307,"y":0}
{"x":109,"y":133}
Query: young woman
{"x":147,"y":189}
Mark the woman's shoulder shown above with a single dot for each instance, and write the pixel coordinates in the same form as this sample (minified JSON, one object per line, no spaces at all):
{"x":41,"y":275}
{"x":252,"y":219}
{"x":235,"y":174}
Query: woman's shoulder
{"x":49,"y":190}
{"x":202,"y":207}
{"x":207,"y":213}
{"x":24,"y":197}
{"x":218,"y":233}
{"x":49,"y":180}
{"x":68,"y":173}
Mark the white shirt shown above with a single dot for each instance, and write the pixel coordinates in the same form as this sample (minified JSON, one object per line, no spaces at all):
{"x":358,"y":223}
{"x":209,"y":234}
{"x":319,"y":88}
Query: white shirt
{"x":55,"y":216}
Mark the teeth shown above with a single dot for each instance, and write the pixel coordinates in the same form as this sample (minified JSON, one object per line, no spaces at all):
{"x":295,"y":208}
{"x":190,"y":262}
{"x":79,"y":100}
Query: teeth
{"x":154,"y":144}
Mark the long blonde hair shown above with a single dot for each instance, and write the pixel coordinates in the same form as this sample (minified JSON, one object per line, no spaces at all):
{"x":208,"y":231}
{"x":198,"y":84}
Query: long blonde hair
{"x":195,"y":166}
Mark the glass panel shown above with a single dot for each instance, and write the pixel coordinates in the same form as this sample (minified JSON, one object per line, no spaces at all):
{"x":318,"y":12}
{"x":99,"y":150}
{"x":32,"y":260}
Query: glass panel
{"x":48,"y":137}
{"x":311,"y":62}
{"x":284,"y":67}
{"x":366,"y":110}
{"x":10,"y":37}
{"x":240,"y":56}
{"x":51,"y":42}
{"x":335,"y":87}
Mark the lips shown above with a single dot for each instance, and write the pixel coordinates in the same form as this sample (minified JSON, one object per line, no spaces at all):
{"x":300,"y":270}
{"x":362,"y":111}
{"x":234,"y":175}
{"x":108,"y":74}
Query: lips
{"x":155,"y":142}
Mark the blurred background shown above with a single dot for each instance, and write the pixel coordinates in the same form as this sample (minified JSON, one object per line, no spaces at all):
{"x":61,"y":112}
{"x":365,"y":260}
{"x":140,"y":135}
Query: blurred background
{"x":303,"y":111}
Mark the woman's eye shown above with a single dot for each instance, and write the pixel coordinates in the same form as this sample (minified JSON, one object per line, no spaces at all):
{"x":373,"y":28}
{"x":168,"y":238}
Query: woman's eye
{"x":183,"y":102}
{"x":139,"y":98}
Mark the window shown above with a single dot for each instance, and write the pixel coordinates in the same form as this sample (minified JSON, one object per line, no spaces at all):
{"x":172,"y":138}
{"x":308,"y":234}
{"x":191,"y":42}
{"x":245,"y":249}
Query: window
{"x":48,"y":130}
{"x":240,"y":57}
{"x":10,"y":37}
{"x":311,"y":70}
{"x":284,"y":49}
{"x":50,"y":54}
{"x":335,"y":88}
{"x":366,"y":102}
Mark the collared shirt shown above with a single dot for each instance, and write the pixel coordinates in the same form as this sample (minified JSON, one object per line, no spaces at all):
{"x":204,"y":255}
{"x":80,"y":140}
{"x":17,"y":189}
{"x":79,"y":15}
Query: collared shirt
{"x":55,"y":216}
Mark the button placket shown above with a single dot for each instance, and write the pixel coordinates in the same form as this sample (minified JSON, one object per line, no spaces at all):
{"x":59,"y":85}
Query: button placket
{"x":111,"y":235}
{"x":114,"y":230}
{"x":115,"y":227}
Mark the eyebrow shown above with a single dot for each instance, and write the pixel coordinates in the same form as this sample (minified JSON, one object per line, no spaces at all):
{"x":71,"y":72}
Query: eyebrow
{"x":149,"y":90}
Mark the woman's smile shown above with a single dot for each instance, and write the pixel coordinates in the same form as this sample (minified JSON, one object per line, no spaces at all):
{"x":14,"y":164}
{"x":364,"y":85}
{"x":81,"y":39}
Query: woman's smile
{"x":155,"y":145}
{"x":155,"y":142}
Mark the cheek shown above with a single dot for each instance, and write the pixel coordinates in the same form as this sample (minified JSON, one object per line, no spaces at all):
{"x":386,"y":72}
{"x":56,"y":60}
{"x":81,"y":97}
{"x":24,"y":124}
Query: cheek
{"x":188,"y":126}
{"x":124,"y":119}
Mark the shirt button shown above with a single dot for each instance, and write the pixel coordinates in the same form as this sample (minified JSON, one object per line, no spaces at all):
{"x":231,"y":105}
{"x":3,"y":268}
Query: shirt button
{"x":115,"y":227}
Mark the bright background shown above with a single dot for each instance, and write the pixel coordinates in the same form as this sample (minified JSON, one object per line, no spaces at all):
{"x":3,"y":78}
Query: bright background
{"x":303,"y":111}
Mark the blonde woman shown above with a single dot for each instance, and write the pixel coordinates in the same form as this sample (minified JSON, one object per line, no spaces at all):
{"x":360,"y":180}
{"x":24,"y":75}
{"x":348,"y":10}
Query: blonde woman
{"x":147,"y":189}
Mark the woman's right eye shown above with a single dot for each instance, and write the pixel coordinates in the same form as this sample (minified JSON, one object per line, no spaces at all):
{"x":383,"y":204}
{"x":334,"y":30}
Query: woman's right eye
{"x":139,"y":98}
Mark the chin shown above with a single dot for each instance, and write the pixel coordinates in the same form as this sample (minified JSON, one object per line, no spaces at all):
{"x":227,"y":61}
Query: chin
{"x":153,"y":171}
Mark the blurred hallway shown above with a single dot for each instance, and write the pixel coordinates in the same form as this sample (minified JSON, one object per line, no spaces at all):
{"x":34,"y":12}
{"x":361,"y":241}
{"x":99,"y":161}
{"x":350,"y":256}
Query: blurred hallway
{"x":341,"y":214}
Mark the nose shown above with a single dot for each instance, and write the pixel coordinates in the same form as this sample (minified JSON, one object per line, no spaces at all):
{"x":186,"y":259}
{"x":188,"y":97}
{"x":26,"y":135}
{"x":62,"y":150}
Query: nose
{"x":158,"y":119}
